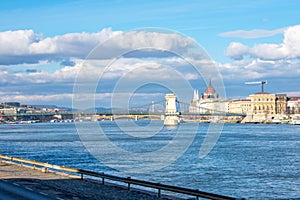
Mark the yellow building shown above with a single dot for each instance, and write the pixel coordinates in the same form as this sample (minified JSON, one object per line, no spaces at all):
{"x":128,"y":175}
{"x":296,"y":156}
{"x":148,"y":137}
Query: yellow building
{"x":266,"y":107}
{"x":265,"y":103}
{"x":240,"y":106}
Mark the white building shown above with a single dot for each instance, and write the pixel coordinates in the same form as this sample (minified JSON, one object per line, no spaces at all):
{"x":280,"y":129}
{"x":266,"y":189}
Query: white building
{"x":10,"y":112}
{"x":208,"y":102}
{"x":240,"y":106}
{"x":293,"y":105}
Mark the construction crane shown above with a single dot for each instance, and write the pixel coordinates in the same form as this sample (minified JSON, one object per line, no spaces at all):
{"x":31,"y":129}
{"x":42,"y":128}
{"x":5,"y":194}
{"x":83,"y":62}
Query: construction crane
{"x":258,"y":82}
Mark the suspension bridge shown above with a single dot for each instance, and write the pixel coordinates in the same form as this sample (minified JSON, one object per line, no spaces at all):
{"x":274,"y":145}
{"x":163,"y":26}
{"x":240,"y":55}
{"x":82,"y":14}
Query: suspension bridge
{"x":167,"y":109}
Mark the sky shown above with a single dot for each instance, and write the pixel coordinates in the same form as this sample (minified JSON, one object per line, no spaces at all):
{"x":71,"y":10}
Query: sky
{"x":45,"y":46}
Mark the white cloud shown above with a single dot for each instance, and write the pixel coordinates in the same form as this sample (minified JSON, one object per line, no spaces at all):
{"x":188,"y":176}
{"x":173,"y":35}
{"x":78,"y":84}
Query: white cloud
{"x":256,"y":33}
{"x":146,"y":43}
{"x":237,"y":50}
{"x":72,"y":44}
{"x":257,"y":69}
{"x":26,"y":46}
{"x":36,"y":98}
{"x":17,"y":42}
{"x":269,"y":60}
{"x":276,"y":62}
{"x":190,"y":76}
{"x":292,"y":41}
{"x":62,"y":75}
{"x":288,"y":49}
{"x":270,"y":51}
{"x":91,"y":70}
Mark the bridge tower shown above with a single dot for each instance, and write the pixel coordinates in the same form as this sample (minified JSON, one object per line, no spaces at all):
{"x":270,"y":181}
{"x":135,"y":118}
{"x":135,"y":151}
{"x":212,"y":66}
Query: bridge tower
{"x":171,"y":115}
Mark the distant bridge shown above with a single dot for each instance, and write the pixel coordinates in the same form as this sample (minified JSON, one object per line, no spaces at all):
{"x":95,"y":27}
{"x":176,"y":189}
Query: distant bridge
{"x":146,"y":111}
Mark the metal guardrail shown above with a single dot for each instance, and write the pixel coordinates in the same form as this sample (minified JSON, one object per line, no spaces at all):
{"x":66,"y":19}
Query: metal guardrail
{"x":129,"y":181}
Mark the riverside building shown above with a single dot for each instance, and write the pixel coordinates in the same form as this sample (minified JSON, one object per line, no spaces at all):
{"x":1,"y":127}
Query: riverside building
{"x":261,"y":107}
{"x":208,"y":102}
{"x":293,"y":105}
{"x":239,"y":106}
{"x":266,"y":107}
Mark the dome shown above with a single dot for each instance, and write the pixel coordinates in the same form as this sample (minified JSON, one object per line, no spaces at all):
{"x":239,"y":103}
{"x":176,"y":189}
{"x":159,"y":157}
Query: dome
{"x":210,"y":90}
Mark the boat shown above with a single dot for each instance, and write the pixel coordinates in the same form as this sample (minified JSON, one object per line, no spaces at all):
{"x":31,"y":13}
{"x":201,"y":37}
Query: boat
{"x":295,"y":121}
{"x":275,"y":121}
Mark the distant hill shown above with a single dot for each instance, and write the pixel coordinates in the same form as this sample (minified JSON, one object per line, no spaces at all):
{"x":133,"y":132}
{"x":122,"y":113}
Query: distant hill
{"x":55,"y":107}
{"x":99,"y":109}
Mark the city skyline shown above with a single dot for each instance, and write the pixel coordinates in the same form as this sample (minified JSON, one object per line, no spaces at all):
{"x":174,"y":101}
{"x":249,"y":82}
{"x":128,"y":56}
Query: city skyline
{"x":42,"y":45}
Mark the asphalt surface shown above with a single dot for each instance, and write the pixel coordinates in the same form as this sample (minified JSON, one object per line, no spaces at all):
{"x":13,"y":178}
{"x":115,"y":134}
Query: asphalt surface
{"x":13,"y":191}
{"x":22,"y":183}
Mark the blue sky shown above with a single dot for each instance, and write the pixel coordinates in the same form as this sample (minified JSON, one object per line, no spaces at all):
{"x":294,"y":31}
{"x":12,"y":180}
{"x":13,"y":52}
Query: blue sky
{"x":249,"y":41}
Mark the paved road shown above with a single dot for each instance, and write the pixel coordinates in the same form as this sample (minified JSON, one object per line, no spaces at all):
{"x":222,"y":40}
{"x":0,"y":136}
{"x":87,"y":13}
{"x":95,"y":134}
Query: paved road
{"x":9,"y":191}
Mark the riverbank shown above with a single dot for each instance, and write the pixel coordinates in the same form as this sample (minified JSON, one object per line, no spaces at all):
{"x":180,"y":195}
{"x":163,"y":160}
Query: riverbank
{"x":81,"y":176}
{"x":63,"y":186}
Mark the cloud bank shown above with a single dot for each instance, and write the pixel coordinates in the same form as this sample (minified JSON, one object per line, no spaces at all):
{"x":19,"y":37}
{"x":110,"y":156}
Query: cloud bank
{"x":37,"y":84}
{"x":288,"y":49}
{"x":258,"y":69}
{"x":276,"y":62}
{"x":26,"y":46}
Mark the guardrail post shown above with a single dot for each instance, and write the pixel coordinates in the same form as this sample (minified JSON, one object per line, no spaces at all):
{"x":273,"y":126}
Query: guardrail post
{"x":103,"y":178}
{"x":197,"y":197}
{"x":159,"y":193}
{"x":45,"y":170}
{"x":128,"y":182}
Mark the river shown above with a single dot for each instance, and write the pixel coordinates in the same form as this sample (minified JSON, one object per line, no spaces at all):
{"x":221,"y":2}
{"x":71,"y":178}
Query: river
{"x":253,"y":161}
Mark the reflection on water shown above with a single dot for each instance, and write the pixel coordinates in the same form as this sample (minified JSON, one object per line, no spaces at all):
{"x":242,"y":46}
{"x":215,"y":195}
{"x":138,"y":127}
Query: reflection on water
{"x":251,"y":161}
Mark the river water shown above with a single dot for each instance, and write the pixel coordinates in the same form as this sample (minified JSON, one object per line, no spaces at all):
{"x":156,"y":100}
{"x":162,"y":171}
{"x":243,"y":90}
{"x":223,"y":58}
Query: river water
{"x":252,"y":161}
